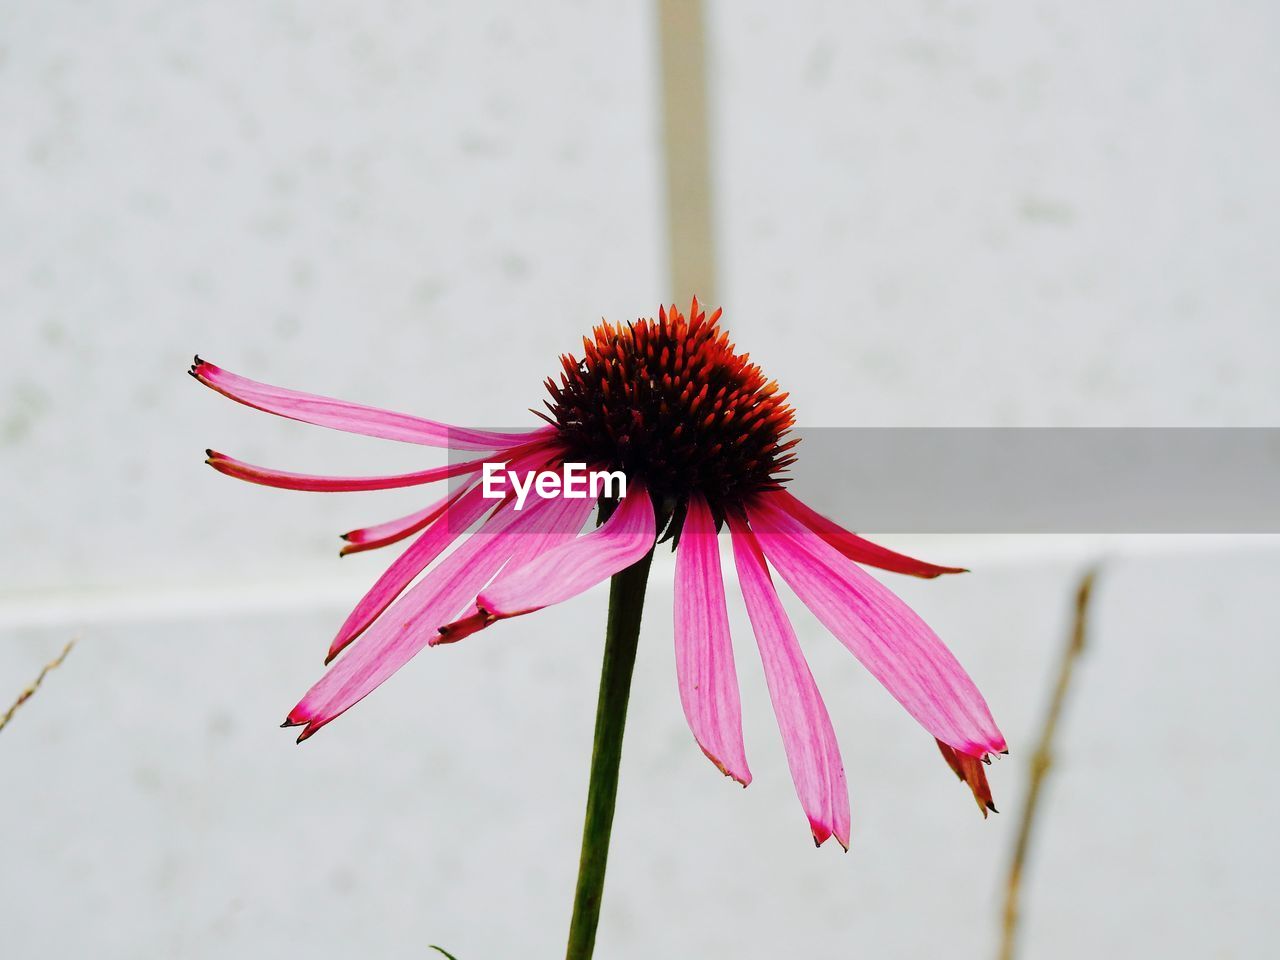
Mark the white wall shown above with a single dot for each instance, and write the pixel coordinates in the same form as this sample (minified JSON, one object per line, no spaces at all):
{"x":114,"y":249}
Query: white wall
{"x":939,"y":213}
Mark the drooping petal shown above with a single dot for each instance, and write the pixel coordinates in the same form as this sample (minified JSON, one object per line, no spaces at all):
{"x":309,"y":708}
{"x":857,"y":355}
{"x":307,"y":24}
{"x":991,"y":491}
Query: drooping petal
{"x":807,"y":735}
{"x":415,"y":618}
{"x":353,"y":417}
{"x":886,"y":635}
{"x":454,"y":520}
{"x":855,"y":547}
{"x":393,"y":531}
{"x":704,"y":651}
{"x":452,"y":523}
{"x":577,"y":565}
{"x":318,"y":484}
{"x":559,"y":525}
{"x":972,"y":772}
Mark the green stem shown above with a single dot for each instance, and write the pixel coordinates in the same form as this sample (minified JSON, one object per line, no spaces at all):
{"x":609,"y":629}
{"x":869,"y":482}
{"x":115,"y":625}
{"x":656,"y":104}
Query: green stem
{"x":626,"y":603}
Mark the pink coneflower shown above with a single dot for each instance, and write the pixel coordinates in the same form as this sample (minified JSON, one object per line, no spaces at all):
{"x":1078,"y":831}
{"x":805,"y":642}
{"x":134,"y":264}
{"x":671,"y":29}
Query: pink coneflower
{"x":702,"y":439}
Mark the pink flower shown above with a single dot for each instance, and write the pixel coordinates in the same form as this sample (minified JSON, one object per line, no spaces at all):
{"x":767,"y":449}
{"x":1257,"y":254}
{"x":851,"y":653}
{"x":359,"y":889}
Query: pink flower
{"x":702,"y":439}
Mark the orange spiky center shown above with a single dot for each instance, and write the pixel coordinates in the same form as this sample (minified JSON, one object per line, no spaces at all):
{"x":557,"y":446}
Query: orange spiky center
{"x":670,"y":401}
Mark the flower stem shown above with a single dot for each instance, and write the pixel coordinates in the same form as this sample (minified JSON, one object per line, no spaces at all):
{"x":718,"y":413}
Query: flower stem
{"x":626,"y":603}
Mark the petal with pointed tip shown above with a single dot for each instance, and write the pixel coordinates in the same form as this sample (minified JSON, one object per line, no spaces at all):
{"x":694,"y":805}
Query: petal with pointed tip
{"x":807,"y":735}
{"x":393,"y":531}
{"x":414,"y":620}
{"x":704,"y":652}
{"x":972,"y":772}
{"x":353,"y":417}
{"x":318,"y":484}
{"x":855,"y":547}
{"x":886,"y":635}
{"x":452,"y":523}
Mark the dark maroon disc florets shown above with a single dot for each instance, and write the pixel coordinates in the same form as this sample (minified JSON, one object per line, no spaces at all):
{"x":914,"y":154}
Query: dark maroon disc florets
{"x":671,"y":402}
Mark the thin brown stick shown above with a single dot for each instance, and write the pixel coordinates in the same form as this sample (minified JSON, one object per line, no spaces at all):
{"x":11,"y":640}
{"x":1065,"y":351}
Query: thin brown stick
{"x":1041,"y":761}
{"x":26,"y":694}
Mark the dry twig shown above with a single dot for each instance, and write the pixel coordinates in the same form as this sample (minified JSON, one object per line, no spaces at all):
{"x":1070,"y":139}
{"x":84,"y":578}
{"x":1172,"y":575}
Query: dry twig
{"x":26,"y":694}
{"x":1041,"y":761}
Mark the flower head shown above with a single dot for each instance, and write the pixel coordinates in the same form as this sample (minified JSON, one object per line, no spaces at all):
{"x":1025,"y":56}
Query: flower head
{"x":670,"y":401}
{"x":701,"y":436}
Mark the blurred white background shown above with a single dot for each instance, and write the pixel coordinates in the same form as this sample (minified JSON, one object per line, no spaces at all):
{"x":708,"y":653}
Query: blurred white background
{"x":933,"y":213}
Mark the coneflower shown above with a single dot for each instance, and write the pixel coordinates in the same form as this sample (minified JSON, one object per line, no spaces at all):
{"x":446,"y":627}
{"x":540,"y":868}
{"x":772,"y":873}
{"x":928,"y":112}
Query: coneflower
{"x":702,"y":438}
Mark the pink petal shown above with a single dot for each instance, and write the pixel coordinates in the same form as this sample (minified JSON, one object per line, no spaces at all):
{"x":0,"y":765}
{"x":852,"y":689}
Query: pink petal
{"x":559,"y":525}
{"x":704,"y":652}
{"x":452,"y":522}
{"x":810,"y":742}
{"x":415,"y":618}
{"x":880,"y":630}
{"x":393,"y":531}
{"x":352,"y":417}
{"x":455,"y":519}
{"x":317,"y":484}
{"x":855,"y":547}
{"x":578,"y":565}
